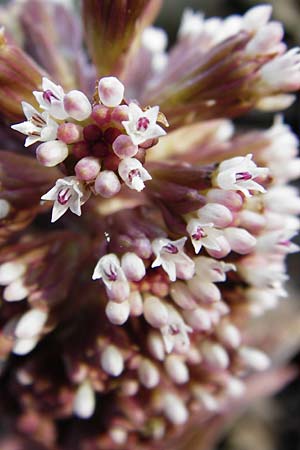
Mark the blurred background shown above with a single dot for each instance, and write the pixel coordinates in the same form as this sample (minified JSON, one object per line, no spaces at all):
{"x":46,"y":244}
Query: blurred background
{"x":268,"y":424}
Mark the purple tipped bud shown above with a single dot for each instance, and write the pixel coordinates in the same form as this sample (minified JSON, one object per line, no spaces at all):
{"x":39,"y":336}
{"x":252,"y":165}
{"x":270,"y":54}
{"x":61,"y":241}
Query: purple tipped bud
{"x":87,"y":168}
{"x":77,"y":105}
{"x":148,"y":374}
{"x":111,"y":91}
{"x":123,"y":147}
{"x":107,"y":184}
{"x":133,"y":267}
{"x":155,"y":312}
{"x":112,"y":361}
{"x":52,"y":153}
{"x":117,"y":313}
{"x":69,"y":133}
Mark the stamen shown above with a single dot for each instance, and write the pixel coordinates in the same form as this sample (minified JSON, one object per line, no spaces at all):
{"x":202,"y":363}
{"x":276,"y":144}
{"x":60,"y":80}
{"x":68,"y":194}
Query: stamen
{"x":63,"y":196}
{"x":133,"y":173}
{"x":38,"y":121}
{"x":243,"y":176}
{"x":199,"y":234}
{"x":142,"y":124}
{"x":170,"y":248}
{"x":48,"y":95}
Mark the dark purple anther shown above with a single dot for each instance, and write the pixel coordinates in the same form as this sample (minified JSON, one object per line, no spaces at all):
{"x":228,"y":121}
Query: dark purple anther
{"x":243,"y":176}
{"x":142,"y":124}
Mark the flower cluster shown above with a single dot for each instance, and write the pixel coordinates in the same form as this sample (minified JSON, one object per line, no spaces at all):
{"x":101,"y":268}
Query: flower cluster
{"x":132,"y":323}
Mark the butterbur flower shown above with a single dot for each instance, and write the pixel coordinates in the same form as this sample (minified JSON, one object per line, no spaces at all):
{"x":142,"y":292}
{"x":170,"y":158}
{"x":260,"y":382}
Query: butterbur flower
{"x":132,"y":324}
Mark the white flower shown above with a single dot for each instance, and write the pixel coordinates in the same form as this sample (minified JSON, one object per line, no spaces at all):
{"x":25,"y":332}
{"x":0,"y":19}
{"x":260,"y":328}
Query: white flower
{"x":68,"y":193}
{"x":38,"y":126}
{"x":51,"y":99}
{"x":192,"y":23}
{"x":133,"y":173}
{"x":175,"y":332}
{"x":109,"y":270}
{"x":211,"y":269}
{"x":142,"y":125}
{"x":170,"y":255}
{"x":203,"y":234}
{"x":238,"y":173}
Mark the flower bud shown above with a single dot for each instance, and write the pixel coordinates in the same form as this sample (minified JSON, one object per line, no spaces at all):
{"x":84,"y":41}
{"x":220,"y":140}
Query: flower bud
{"x":155,"y":312}
{"x":101,"y":115}
{"x":228,"y":334}
{"x":4,"y":208}
{"x":87,"y":168}
{"x":111,"y":91}
{"x":52,"y":153}
{"x":156,"y":345}
{"x":10,"y":271}
{"x":120,"y":113}
{"x":123,"y":147}
{"x":133,"y":266}
{"x":198,"y":319}
{"x":148,"y":374}
{"x":174,"y":409}
{"x":204,"y":291}
{"x":215,"y":213}
{"x":31,"y":324}
{"x":254,"y":359}
{"x":117,"y":313}
{"x":84,"y":401}
{"x":118,"y":435}
{"x":107,"y":184}
{"x":182,"y":296}
{"x":177,"y":369}
{"x":205,"y":398}
{"x":136,"y":303}
{"x":24,"y":346}
{"x":112,"y":361}
{"x":214,"y":355}
{"x":92,"y":133}
{"x":224,"y":248}
{"x":69,"y":133}
{"x":230,"y":199}
{"x":240,"y":240}
{"x":77,"y":105}
{"x":15,"y":291}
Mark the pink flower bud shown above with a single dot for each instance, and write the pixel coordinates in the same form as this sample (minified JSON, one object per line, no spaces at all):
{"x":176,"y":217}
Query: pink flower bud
{"x":240,"y":240}
{"x":92,"y":133}
{"x":52,"y":153}
{"x":120,"y":113}
{"x":215,"y":213}
{"x":87,"y":168}
{"x":136,"y":304}
{"x":123,"y":147}
{"x":133,"y":266}
{"x":224,"y":248}
{"x":101,"y":115}
{"x":155,"y":312}
{"x":177,"y":369}
{"x":80,"y":150}
{"x":252,"y":221}
{"x":69,"y":133}
{"x":148,"y":374}
{"x":182,"y":296}
{"x":77,"y":105}
{"x":111,"y":91}
{"x":231,"y":199}
{"x":198,"y":319}
{"x":117,"y":313}
{"x":204,"y":291}
{"x":112,"y":361}
{"x":118,"y":291}
{"x":107,"y":184}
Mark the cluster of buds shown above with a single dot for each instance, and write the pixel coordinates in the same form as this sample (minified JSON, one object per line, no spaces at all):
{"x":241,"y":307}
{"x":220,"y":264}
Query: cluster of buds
{"x":125,"y":328}
{"x":101,"y":145}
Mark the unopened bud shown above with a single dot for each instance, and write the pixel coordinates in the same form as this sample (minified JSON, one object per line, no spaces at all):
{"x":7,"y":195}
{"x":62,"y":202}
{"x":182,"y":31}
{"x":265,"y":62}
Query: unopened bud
{"x":31,"y":324}
{"x":4,"y":208}
{"x":87,"y":168}
{"x":123,"y":147}
{"x":133,"y":266}
{"x":24,"y":346}
{"x":204,"y":291}
{"x":253,"y":358}
{"x":156,"y":345}
{"x":84,"y":401}
{"x":177,"y":369}
{"x":52,"y":153}
{"x":155,"y":312}
{"x":215,"y":213}
{"x":136,"y":303}
{"x":69,"y":133}
{"x":111,"y":91}
{"x":240,"y":240}
{"x":120,"y":113}
{"x":77,"y":105}
{"x":174,"y":409}
{"x":148,"y":374}
{"x":182,"y":296}
{"x":112,"y":361}
{"x":198,"y":319}
{"x":117,"y":313}
{"x":107,"y":184}
{"x":214,"y":355}
{"x":101,"y":115}
{"x":118,"y":291}
{"x":15,"y":291}
{"x":10,"y":271}
{"x":228,"y":334}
